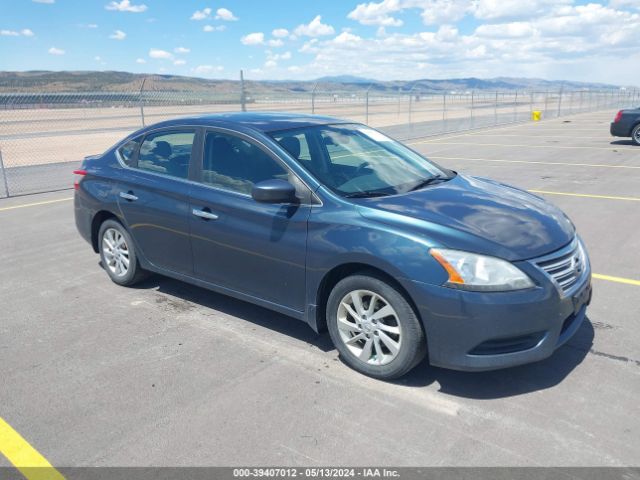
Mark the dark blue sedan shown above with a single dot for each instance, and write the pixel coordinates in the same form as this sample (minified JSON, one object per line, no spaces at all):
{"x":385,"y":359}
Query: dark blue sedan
{"x":335,"y":224}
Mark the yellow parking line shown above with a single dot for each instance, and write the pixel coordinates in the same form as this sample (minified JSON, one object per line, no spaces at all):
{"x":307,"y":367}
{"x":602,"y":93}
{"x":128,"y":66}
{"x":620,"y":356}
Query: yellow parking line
{"x":475,"y":144}
{"x":607,"y":197}
{"x":24,"y":457}
{"x":590,"y":137}
{"x":599,"y":165}
{"x":25,"y":205}
{"x":628,"y":281}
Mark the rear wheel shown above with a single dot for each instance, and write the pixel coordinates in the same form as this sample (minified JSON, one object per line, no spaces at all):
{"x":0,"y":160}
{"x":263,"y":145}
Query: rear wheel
{"x":374,"y":327}
{"x":118,"y":254}
{"x":635,"y":134}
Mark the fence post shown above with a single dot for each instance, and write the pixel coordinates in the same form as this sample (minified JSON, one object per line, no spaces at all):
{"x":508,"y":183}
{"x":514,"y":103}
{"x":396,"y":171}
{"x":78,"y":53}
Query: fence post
{"x":366,"y":105}
{"x":531,"y":94}
{"x":444,"y":108}
{"x":495,"y":110}
{"x":560,"y":102}
{"x":243,"y":93}
{"x":144,"y":80}
{"x":313,"y":98}
{"x":546,"y":103}
{"x":472,"y":102}
{"x":410,"y":109}
{"x":515,"y":108}
{"x":4,"y":176}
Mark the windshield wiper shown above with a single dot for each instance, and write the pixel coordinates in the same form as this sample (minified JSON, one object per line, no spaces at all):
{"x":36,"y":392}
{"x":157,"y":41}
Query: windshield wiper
{"x":366,"y":194}
{"x":428,"y":181}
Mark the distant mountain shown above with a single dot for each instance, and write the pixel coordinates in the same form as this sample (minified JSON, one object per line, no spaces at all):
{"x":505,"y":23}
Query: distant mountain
{"x":111,"y":81}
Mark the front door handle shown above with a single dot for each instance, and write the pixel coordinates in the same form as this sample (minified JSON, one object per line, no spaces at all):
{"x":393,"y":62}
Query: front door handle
{"x":128,"y":196}
{"x":205,"y":214}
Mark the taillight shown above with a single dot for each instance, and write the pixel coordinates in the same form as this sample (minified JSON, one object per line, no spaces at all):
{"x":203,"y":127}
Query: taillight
{"x":618,"y":117}
{"x":78,"y":176}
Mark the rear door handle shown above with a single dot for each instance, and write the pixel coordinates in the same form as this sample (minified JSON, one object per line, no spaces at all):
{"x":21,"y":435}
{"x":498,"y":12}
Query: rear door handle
{"x":205,"y":214}
{"x":128,"y":196}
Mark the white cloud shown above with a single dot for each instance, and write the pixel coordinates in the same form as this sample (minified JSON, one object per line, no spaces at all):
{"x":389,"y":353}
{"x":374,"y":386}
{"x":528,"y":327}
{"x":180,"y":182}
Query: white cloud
{"x":161,"y":54}
{"x":574,"y":42}
{"x":445,"y":11}
{"x":179,"y":62}
{"x":126,"y":6}
{"x":92,"y":25}
{"x":438,"y":12}
{"x":207,"y":69}
{"x":315,"y":28}
{"x":49,"y":2}
{"x":181,"y":50}
{"x":377,"y":13}
{"x":625,"y":4}
{"x":25,"y":32}
{"x":56,"y":51}
{"x":226,"y":15}
{"x":278,"y":56}
{"x":270,"y":64}
{"x":211,"y":28}
{"x":346,"y":37}
{"x":140,"y":61}
{"x":294,"y":68}
{"x":118,"y":35}
{"x":280,"y":32}
{"x":276,"y":42}
{"x":201,"y":14}
{"x":505,"y":30}
{"x":256,"y":38}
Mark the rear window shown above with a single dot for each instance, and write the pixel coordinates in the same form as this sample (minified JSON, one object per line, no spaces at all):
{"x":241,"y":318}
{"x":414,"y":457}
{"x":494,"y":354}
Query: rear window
{"x":128,"y":150}
{"x":167,"y":152}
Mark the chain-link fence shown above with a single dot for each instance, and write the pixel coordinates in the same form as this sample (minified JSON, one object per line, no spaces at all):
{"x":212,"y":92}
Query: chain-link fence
{"x":44,"y":136}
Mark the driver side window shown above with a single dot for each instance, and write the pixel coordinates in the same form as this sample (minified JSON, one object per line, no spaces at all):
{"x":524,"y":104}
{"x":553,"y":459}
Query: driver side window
{"x":233,"y":163}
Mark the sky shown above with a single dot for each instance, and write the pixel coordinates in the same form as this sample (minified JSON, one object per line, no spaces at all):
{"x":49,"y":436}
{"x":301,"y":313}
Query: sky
{"x":295,"y":39}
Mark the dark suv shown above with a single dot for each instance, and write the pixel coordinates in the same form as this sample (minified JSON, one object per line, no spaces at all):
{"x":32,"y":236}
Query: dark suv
{"x":337,"y":225}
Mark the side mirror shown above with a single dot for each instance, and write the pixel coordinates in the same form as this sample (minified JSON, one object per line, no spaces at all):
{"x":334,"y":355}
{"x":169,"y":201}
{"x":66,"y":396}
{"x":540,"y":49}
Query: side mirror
{"x":274,"y":191}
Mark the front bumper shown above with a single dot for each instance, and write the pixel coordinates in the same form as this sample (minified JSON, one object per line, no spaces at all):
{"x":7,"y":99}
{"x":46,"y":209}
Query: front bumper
{"x":486,"y":331}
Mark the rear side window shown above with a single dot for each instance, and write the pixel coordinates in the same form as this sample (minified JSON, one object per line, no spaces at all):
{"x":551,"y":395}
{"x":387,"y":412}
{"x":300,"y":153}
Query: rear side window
{"x":128,"y":150}
{"x":168,"y":153}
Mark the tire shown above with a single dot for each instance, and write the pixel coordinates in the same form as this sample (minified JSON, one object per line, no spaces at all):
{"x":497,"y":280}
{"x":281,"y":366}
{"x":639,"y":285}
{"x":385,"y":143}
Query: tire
{"x":635,"y":135}
{"x":367,"y":343}
{"x":115,"y":261}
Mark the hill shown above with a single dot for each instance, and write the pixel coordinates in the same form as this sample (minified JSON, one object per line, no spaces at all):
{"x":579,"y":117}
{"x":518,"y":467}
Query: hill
{"x":111,"y":81}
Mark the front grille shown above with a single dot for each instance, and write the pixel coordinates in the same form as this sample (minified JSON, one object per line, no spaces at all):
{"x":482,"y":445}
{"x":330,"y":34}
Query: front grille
{"x":566,"y":267}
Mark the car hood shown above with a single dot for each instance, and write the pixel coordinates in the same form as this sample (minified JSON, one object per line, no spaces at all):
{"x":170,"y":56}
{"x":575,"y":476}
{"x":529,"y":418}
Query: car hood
{"x":477,"y":215}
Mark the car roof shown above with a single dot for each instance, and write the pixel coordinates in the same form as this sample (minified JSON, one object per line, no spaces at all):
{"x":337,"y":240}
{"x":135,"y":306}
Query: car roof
{"x":261,"y":121}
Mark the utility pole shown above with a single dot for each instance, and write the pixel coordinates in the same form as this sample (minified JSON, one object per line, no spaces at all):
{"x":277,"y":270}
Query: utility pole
{"x":243,"y":93}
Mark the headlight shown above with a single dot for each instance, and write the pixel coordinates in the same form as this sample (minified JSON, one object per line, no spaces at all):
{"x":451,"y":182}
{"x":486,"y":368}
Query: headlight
{"x":470,"y":271}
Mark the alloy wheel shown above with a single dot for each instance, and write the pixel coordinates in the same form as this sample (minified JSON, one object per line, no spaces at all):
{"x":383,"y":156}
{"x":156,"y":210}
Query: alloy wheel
{"x":116,"y":252}
{"x":369,"y":327}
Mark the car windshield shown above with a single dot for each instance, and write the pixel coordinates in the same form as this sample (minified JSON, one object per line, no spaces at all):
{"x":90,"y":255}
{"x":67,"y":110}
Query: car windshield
{"x":357,"y":161}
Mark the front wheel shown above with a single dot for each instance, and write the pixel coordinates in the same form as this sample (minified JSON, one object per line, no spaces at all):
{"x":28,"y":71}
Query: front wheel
{"x":118,"y":254}
{"x":635,"y":134}
{"x":374,"y":327}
